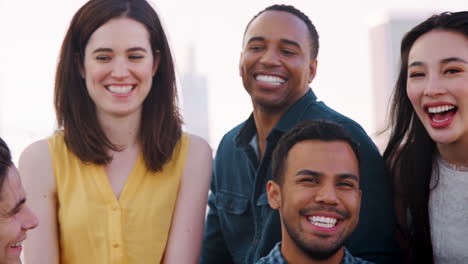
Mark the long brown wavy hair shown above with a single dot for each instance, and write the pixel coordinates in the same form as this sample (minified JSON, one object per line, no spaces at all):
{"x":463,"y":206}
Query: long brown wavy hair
{"x":160,"y":127}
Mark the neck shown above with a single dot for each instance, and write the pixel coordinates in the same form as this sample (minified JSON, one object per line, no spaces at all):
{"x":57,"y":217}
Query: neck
{"x":121,"y":130}
{"x":454,"y":153}
{"x":264,"y":122}
{"x":293,"y":255}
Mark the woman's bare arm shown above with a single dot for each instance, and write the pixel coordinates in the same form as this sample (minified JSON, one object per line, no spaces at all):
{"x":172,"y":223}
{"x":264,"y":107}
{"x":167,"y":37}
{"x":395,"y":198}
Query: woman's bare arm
{"x":35,"y":166}
{"x":185,"y":237}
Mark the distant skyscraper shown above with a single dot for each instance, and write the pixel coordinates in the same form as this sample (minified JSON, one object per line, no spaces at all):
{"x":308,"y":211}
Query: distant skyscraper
{"x":386,"y":39}
{"x":195,"y":99}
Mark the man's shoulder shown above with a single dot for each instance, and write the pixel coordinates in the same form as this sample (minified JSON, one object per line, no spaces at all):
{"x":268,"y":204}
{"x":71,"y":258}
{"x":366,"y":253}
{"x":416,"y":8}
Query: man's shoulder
{"x":320,"y":110}
{"x":274,"y":257}
{"x":230,"y":136}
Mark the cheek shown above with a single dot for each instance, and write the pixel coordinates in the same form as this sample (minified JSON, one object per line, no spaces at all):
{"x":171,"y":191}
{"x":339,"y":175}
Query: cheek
{"x":414,"y":95}
{"x":353,"y":204}
{"x":95,"y":73}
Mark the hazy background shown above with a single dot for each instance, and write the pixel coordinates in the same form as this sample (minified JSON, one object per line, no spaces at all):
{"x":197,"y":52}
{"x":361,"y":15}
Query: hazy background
{"x":209,"y":32}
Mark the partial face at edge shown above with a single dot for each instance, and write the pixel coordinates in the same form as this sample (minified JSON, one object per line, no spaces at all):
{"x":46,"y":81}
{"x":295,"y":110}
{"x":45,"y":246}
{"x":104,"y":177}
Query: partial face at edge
{"x":319,"y":200}
{"x":276,"y":65}
{"x":15,"y":218}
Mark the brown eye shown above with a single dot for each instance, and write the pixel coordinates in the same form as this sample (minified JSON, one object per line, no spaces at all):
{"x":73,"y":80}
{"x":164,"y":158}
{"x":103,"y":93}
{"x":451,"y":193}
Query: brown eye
{"x":135,"y":57}
{"x":416,"y":74}
{"x":451,"y":71}
{"x":103,"y":58}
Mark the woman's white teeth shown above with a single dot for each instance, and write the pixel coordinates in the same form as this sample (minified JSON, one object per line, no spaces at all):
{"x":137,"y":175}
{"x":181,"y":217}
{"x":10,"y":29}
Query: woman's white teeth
{"x":120,"y":89}
{"x":322,"y":221}
{"x":440,"y":109}
{"x":17,"y":244}
{"x":270,"y":79}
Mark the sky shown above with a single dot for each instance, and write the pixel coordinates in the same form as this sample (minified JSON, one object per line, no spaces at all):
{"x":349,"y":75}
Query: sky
{"x":32,"y":31}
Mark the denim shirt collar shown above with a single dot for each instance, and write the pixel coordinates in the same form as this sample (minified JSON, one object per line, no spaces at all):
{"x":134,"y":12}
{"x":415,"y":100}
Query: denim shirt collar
{"x":292,"y":116}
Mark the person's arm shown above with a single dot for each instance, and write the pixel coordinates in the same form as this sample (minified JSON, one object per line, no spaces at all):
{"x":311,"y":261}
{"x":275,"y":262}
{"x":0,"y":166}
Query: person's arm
{"x":35,"y":166}
{"x":186,"y":232}
{"x":214,"y":248}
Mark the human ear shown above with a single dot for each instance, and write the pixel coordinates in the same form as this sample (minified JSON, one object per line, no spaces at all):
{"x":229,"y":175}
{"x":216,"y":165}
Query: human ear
{"x":274,"y":194}
{"x":312,"y":70}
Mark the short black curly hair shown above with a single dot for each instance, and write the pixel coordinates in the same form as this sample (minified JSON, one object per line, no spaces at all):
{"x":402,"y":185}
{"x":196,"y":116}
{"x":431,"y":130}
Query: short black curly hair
{"x":308,"y":130}
{"x":314,"y":37}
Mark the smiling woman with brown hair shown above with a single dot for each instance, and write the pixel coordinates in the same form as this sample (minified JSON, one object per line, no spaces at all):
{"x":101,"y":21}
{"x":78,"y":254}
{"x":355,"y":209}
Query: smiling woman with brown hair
{"x":119,"y":182}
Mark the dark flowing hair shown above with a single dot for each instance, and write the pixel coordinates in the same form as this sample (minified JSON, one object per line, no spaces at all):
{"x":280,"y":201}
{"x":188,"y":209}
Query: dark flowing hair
{"x":411,"y":152}
{"x":160,"y":126}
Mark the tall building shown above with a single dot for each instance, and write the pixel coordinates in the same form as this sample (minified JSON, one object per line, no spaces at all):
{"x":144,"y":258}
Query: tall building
{"x":385,"y":37}
{"x":195,"y":99}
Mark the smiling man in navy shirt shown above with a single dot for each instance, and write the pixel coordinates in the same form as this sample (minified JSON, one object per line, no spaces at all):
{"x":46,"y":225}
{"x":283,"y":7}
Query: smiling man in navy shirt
{"x":277,"y":64}
{"x":315,"y":188}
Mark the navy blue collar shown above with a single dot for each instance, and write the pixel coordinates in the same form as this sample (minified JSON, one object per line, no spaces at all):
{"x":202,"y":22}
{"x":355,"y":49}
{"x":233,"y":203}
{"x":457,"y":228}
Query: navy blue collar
{"x":292,"y":116}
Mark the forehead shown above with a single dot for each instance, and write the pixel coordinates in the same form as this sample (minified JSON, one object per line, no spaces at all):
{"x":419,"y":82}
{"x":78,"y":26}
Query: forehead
{"x":120,"y":31}
{"x":12,"y":190}
{"x":273,"y":25}
{"x":437,"y":45}
{"x":329,"y":158}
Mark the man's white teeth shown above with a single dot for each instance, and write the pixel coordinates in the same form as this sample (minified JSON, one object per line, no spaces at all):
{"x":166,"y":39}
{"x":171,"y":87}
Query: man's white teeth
{"x":17,"y":244}
{"x":270,"y":79}
{"x":440,"y":109}
{"x":322,"y":221}
{"x":120,"y":89}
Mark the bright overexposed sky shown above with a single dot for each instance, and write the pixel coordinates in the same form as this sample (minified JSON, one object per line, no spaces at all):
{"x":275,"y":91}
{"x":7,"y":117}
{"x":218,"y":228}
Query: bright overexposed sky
{"x":31,"y":33}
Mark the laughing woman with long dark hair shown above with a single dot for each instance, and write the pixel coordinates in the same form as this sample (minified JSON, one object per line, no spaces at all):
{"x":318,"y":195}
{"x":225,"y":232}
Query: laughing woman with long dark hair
{"x":428,"y":149}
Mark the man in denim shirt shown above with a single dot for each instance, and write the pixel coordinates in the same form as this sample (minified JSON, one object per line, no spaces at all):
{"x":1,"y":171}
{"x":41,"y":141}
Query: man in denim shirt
{"x":277,"y":64}
{"x":315,"y":188}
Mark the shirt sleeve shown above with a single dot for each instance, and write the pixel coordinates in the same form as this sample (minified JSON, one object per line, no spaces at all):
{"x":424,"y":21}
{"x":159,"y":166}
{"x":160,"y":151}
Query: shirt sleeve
{"x":214,"y":249}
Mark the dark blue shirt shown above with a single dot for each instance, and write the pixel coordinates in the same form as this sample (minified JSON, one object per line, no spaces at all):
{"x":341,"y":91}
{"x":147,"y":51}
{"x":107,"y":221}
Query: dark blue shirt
{"x":275,"y":257}
{"x":241,"y":227}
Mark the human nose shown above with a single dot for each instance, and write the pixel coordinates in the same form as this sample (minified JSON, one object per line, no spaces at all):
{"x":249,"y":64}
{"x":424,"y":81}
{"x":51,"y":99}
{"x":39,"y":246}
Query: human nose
{"x":270,"y":58}
{"x":119,"y":69}
{"x":30,"y":220}
{"x":326,"y":194}
{"x":434,"y":86}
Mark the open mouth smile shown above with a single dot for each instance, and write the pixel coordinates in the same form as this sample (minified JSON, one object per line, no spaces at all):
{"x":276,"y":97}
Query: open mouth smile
{"x":120,"y":89}
{"x":440,"y":116}
{"x":323,"y":221}
{"x":270,"y":79}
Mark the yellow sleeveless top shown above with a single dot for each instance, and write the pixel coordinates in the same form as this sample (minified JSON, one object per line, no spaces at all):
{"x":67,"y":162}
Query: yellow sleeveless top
{"x":95,"y":226}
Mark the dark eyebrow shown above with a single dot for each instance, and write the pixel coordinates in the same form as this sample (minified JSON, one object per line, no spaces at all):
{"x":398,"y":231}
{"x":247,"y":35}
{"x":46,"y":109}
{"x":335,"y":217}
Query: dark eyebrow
{"x":17,"y":207}
{"x":309,"y":172}
{"x":128,"y":50}
{"x":444,"y":61}
{"x":102,"y":50}
{"x":453,"y":59}
{"x":415,"y":64}
{"x":348,"y":176}
{"x":136,"y":49}
{"x":291,"y":42}
{"x":255,"y":39}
